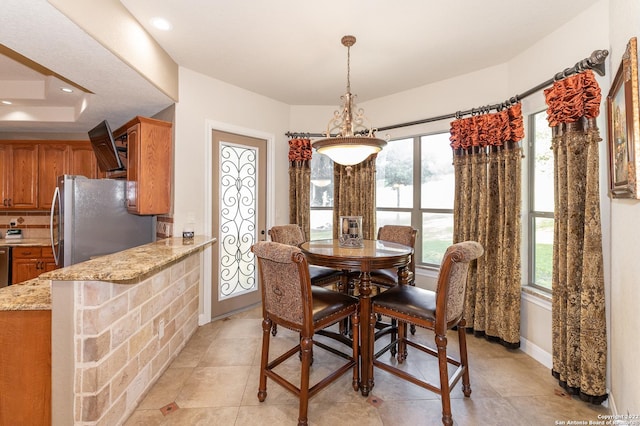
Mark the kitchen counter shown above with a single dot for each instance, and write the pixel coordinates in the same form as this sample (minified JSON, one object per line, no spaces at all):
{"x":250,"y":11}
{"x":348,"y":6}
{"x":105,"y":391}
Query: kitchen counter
{"x":129,"y":266}
{"x":29,"y":242}
{"x":32,"y":295}
{"x":125,"y":267}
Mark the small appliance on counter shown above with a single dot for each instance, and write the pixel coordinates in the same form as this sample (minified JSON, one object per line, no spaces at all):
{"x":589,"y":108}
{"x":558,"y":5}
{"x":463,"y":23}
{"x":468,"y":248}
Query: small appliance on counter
{"x":13,"y":234}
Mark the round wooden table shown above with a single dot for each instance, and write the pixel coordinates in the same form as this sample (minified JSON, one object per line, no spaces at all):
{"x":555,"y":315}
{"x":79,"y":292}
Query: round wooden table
{"x":375,"y":254}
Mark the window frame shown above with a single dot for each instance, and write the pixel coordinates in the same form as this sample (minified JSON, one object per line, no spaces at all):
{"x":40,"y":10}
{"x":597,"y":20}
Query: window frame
{"x":532,"y":214}
{"x":417,"y":211}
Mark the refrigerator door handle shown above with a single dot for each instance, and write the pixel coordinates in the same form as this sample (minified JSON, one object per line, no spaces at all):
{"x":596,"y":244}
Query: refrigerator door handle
{"x":56,"y":198}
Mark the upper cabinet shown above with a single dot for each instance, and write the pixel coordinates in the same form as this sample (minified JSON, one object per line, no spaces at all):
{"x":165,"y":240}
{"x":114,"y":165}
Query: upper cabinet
{"x":29,"y":170}
{"x":149,"y":159}
{"x":19,"y":175}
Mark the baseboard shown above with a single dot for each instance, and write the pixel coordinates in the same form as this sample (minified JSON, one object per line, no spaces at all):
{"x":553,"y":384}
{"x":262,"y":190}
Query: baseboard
{"x":536,"y":352}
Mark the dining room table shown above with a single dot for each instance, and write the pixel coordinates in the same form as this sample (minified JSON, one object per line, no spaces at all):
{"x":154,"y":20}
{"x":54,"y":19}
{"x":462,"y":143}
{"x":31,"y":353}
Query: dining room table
{"x":371,"y":255}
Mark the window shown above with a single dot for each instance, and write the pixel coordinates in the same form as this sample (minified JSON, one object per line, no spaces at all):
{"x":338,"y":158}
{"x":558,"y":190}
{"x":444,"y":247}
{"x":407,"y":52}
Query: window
{"x":418,"y":193}
{"x":321,"y":213}
{"x":541,"y":203}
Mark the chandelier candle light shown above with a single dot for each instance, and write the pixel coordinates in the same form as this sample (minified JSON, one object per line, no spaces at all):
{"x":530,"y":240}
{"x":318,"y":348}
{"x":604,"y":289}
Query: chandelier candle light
{"x":354,"y":142}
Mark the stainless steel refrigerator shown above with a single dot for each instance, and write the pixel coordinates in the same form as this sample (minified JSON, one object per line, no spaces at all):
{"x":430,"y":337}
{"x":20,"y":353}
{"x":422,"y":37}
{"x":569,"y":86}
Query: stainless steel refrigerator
{"x":89,"y":218}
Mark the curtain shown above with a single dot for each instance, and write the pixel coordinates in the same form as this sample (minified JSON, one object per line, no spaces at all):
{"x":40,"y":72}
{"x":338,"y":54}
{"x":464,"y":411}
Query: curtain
{"x":300,"y":184}
{"x":578,"y":304}
{"x":487,"y":163}
{"x":354,"y":194}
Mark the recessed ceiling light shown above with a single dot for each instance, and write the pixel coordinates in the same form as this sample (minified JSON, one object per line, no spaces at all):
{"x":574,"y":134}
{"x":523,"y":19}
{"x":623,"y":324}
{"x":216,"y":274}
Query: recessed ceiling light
{"x":66,"y":90}
{"x":6,"y":102}
{"x":161,"y":24}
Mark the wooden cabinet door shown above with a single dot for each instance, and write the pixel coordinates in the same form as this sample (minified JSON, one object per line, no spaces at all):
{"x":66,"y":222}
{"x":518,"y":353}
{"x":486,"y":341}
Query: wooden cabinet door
{"x":53,"y":162}
{"x":23,"y":182}
{"x":82,"y":160}
{"x":25,"y":269}
{"x":5,"y":174}
{"x":133,"y":167}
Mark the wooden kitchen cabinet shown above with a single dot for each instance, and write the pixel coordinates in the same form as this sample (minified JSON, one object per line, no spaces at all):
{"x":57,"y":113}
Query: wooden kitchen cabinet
{"x":25,"y":367}
{"x":82,"y":161}
{"x":30,"y":262}
{"x":29,"y":170}
{"x":149,"y":159}
{"x":19,"y":175}
{"x":53,"y":162}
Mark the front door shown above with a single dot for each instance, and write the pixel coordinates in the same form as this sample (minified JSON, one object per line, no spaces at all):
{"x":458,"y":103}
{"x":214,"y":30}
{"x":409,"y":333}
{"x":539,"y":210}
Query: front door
{"x":239,"y":171}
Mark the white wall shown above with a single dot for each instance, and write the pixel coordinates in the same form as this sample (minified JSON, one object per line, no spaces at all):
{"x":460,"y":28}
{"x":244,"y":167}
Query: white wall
{"x":204,"y":100}
{"x":625,"y":234}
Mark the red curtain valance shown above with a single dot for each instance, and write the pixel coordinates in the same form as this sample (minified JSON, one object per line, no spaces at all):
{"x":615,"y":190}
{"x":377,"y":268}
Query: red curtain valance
{"x":488,"y":129}
{"x":572,"y":98}
{"x":299,"y":150}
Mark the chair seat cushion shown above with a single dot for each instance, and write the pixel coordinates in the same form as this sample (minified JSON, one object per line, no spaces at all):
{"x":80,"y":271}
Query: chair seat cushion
{"x":387,"y":277}
{"x":322,"y":272}
{"x":409,"y":300}
{"x":328,"y":302}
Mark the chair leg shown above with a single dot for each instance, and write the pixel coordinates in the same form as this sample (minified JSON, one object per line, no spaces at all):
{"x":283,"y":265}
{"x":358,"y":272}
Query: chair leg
{"x":355,"y":327}
{"x":306,"y":343}
{"x":402,"y":342}
{"x":441,"y":344}
{"x":264,"y":360}
{"x":464,"y":360}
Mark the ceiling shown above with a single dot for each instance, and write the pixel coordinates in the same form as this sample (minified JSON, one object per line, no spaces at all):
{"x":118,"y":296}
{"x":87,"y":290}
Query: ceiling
{"x":287,"y":50}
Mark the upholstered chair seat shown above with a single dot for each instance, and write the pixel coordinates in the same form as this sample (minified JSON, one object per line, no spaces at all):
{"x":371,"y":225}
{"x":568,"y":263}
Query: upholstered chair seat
{"x":289,"y":300}
{"x":439,"y":311}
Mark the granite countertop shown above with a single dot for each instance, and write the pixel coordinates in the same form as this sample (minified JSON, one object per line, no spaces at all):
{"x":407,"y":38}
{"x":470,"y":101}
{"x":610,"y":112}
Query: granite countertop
{"x":127,"y":266}
{"x":32,"y":295}
{"x":29,"y":242}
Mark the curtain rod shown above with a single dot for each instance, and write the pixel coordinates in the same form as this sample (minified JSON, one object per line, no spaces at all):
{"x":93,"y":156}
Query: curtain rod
{"x":594,"y":62}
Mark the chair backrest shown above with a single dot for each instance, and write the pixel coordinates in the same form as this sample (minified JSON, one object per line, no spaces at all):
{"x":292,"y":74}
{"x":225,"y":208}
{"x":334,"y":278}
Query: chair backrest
{"x":287,"y":234}
{"x":452,"y":281}
{"x":401,"y":234}
{"x":286,"y":287}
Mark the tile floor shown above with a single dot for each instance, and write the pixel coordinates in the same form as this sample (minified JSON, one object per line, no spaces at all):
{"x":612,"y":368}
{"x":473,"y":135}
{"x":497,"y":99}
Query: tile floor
{"x":214,"y":381}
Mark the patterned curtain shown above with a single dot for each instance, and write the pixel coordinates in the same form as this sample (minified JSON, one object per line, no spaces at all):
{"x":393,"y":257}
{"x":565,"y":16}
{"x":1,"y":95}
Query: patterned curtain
{"x":300,"y":183}
{"x":354,"y":194}
{"x":487,"y":162}
{"x":578,"y":305}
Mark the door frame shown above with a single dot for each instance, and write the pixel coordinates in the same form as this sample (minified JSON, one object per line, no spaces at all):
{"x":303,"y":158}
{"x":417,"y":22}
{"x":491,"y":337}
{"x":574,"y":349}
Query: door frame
{"x":210,"y":126}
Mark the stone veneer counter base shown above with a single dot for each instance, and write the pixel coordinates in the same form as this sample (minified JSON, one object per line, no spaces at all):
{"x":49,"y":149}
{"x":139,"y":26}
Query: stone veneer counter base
{"x":117,"y":323}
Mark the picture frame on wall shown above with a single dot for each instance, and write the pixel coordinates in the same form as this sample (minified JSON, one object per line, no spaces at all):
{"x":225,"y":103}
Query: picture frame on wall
{"x":623,"y":125}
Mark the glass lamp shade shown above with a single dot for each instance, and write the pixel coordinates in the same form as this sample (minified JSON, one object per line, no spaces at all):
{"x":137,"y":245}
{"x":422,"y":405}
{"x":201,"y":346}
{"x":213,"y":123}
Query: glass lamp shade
{"x":349,"y":151}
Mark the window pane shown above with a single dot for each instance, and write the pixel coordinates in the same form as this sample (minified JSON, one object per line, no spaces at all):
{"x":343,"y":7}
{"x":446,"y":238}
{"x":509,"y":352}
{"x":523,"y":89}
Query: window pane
{"x":543,"y":165}
{"x":437,"y":175}
{"x":543,"y":251}
{"x":321,"y":223}
{"x":394,"y":174}
{"x":393,"y":218}
{"x":437,"y":235}
{"x":321,"y":181}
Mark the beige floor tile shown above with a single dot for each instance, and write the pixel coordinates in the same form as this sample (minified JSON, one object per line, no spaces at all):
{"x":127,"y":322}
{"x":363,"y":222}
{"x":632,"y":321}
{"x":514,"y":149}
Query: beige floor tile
{"x":166,"y":389}
{"x":214,"y":387}
{"x":214,"y":381}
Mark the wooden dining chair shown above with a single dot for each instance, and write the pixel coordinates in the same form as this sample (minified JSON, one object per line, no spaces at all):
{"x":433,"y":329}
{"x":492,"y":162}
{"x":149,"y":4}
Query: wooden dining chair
{"x":289,"y":300}
{"x":439,"y":311}
{"x":405,"y":235}
{"x":292,"y":234}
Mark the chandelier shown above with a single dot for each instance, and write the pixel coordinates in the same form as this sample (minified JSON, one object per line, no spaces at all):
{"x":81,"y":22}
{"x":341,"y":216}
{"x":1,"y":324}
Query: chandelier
{"x":354,"y":142}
